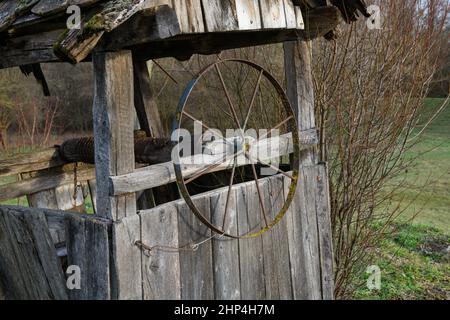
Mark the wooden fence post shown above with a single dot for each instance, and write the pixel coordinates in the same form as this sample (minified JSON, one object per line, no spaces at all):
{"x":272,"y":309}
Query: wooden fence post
{"x":312,"y":265}
{"x":113,"y":129}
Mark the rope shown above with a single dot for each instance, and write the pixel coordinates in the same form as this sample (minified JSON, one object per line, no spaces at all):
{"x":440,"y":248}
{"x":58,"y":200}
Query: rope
{"x":193,"y":247}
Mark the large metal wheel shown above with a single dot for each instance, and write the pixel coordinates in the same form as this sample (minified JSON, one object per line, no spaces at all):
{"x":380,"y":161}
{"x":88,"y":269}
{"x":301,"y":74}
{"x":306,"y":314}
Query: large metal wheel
{"x":235,"y":95}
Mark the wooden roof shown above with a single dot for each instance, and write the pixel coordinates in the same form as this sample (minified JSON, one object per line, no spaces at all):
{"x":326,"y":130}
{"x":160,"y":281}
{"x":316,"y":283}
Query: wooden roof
{"x":34,"y":31}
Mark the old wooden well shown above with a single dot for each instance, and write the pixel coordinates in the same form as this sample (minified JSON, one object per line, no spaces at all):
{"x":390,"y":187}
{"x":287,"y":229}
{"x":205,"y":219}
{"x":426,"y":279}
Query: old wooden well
{"x":165,"y":252}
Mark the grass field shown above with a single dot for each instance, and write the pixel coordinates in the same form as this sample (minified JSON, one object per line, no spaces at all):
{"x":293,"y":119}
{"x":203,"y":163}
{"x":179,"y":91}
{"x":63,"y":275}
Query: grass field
{"x":429,"y":178}
{"x":414,"y":260}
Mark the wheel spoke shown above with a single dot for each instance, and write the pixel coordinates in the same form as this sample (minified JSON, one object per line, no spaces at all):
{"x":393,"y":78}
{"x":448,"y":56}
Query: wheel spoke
{"x":204,"y":126}
{"x":271,"y":166}
{"x":275,"y":128}
{"x":261,"y":202}
{"x":196,"y":120}
{"x":229,"y":195}
{"x":230,"y":102}
{"x":165,"y":71}
{"x":210,"y":168}
{"x":252,"y":102}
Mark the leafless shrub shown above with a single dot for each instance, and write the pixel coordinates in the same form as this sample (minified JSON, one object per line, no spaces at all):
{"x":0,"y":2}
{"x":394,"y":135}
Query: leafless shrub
{"x":370,"y":86}
{"x":35,"y":123}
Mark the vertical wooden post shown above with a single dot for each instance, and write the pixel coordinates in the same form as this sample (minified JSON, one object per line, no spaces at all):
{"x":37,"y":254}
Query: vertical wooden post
{"x":144,"y":101}
{"x":113,"y":129}
{"x":300,"y":89}
{"x":149,"y":121}
{"x":310,"y":225}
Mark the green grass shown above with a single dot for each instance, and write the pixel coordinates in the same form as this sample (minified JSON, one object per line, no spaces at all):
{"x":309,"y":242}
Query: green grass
{"x":414,"y":263}
{"x":414,"y":258}
{"x":428,"y":180}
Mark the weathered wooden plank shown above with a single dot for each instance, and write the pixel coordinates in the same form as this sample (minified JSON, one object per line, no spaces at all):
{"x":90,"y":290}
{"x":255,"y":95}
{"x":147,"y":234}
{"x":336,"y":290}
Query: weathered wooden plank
{"x":41,"y":183}
{"x":300,"y":88}
{"x":70,"y":199}
{"x":126,"y":270}
{"x":29,"y":267}
{"x":248,"y":14}
{"x":190,"y":15}
{"x":113,"y":129}
{"x":289,"y":12}
{"x":88,"y":248}
{"x":49,"y":7}
{"x":7,"y":13}
{"x":225,"y":251}
{"x":97,"y":258}
{"x":153,"y":24}
{"x":38,"y":48}
{"x":52,"y":7}
{"x":275,"y":244}
{"x":311,"y":240}
{"x":161,"y":266}
{"x":63,"y":197}
{"x":51,"y":266}
{"x":212,"y":43}
{"x":76,"y":44}
{"x":220,"y":15}
{"x":47,"y":200}
{"x":161,"y":174}
{"x":251,"y":255}
{"x":272,"y":14}
{"x":58,"y":199}
{"x":196,"y":267}
{"x":76,"y":249}
{"x":303,"y":241}
{"x":325,"y":233}
{"x":28,"y":49}
{"x":299,"y":18}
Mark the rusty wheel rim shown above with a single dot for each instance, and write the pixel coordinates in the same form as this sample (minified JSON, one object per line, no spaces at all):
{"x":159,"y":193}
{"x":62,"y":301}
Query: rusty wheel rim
{"x":182,"y":181}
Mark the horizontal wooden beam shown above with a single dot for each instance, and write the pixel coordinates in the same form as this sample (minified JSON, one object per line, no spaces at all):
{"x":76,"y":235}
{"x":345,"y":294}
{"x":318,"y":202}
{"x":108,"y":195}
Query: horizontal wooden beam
{"x":318,"y":22}
{"x":162,"y":174}
{"x":43,"y":182}
{"x":35,"y":161}
{"x":161,"y":39}
{"x":35,"y":48}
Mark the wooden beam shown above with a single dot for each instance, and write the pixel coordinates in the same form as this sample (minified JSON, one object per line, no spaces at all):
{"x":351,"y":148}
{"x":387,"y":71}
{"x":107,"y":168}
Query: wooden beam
{"x":162,"y":174}
{"x":157,"y":23}
{"x":45,"y":182}
{"x":316,"y":239}
{"x":300,"y":88}
{"x":39,"y":47}
{"x":76,"y":44}
{"x":35,"y":161}
{"x":113,"y":129}
{"x":144,"y":101}
{"x":318,"y":22}
{"x":29,"y":266}
{"x":88,"y":248}
{"x":28,"y":49}
{"x":190,"y":15}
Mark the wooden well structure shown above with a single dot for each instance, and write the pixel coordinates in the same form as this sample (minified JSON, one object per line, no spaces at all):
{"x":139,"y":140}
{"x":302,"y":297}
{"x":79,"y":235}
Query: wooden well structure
{"x":124,"y":252}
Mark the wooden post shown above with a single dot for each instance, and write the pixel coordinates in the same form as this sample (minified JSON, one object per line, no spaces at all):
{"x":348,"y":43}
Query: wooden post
{"x":113,"y":129}
{"x":312,"y":266}
{"x":149,"y":121}
{"x":144,"y":101}
{"x":300,"y":89}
